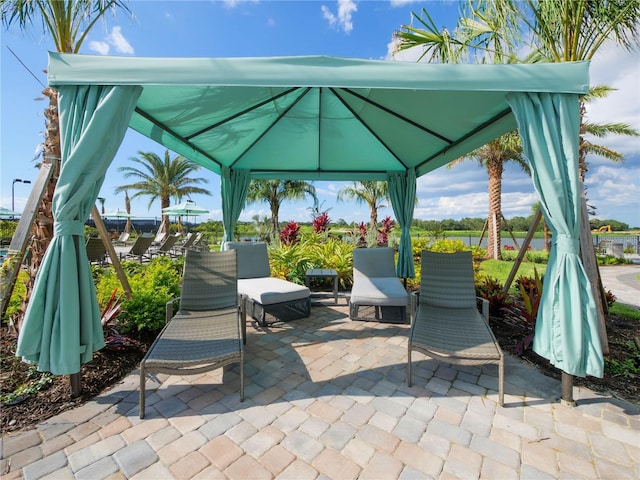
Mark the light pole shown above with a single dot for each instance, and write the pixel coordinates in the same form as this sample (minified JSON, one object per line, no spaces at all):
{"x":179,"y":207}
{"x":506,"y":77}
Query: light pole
{"x":19,"y":180}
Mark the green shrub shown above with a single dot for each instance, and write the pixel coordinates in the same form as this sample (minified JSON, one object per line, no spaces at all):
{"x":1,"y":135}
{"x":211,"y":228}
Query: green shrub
{"x":152,"y":285}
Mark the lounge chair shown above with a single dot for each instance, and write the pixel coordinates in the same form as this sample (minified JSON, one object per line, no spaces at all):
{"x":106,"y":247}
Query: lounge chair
{"x":139,"y":249}
{"x":376,"y":285}
{"x":189,"y":240}
{"x":122,"y":239}
{"x":167,"y":246}
{"x":96,"y":250}
{"x":160,"y":237}
{"x":265,"y":295}
{"x":447,"y":325}
{"x":205,"y":334}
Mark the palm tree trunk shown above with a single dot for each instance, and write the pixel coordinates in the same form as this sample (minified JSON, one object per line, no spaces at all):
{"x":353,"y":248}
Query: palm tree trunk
{"x":494,"y":169}
{"x":373,"y":217}
{"x":275,"y":209}
{"x":127,"y":207}
{"x":42,"y":230}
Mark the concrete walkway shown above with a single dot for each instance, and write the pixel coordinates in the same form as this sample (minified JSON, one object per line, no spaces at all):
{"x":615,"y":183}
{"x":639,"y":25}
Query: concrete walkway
{"x":623,"y":282}
{"x":327,"y":398}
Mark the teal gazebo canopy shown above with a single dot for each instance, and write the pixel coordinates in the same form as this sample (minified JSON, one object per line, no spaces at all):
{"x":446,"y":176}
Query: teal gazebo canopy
{"x":312,"y":118}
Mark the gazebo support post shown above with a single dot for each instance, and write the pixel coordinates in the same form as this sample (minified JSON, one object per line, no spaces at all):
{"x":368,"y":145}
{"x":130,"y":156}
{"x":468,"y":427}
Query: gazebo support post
{"x":567,"y":390}
{"x":76,"y":387}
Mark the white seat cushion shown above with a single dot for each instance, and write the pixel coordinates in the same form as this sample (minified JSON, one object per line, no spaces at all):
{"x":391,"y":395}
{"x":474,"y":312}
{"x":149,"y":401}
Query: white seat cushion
{"x":268,"y":291}
{"x":387,"y":291}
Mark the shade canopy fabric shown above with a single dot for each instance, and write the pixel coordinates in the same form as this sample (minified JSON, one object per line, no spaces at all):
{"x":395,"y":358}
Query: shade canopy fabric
{"x":328,"y":119}
{"x":319,"y":118}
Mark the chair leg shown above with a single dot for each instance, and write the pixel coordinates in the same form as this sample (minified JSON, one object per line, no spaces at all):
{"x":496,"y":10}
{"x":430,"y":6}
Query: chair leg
{"x":409,"y":367}
{"x":242,"y":376}
{"x":501,"y":382}
{"x":142,"y":392}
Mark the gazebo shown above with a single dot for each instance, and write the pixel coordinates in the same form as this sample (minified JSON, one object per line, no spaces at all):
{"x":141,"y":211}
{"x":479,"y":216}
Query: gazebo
{"x":312,"y":118}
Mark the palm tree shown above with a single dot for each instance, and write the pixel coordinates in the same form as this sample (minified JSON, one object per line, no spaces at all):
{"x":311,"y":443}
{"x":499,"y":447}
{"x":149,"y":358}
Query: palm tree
{"x":493,"y":156}
{"x":68,"y":22}
{"x":162,"y":179}
{"x":558,"y":31}
{"x":274,"y":192}
{"x":371,"y":192}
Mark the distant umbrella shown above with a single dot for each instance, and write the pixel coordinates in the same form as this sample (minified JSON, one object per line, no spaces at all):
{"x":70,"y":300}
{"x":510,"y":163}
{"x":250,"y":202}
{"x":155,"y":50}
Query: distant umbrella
{"x":118,"y":214}
{"x":185,"y":208}
{"x":188,"y":208}
{"x":5,"y":212}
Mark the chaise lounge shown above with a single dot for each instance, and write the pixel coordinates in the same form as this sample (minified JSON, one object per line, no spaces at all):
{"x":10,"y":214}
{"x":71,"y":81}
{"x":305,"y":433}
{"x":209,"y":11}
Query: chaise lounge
{"x":265,"y":295}
{"x":376,"y":285}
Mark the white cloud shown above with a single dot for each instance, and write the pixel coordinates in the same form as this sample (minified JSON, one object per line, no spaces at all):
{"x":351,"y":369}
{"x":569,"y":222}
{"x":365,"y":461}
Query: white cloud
{"x":618,"y":69}
{"x":119,"y":42}
{"x":402,"y":3}
{"x":114,"y":39}
{"x":344,"y":19}
{"x":101,"y":48}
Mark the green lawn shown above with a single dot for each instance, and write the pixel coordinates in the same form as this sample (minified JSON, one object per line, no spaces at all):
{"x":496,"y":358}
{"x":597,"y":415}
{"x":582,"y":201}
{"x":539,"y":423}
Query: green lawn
{"x":500,"y":270}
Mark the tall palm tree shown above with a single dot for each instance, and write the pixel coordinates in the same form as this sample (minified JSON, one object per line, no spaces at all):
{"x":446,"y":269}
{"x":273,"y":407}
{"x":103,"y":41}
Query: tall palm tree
{"x":493,"y":156}
{"x":162,"y":179}
{"x":274,"y":192}
{"x":371,"y":192}
{"x":553,"y":31}
{"x":68,"y":22}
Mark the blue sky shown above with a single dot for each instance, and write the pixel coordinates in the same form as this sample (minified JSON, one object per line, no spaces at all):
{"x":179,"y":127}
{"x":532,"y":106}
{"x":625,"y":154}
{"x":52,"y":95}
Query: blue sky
{"x":345,"y":28}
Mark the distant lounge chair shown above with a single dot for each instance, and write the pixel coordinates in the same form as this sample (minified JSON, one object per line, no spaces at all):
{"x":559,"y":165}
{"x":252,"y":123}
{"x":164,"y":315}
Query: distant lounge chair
{"x":122,"y":239}
{"x":159,"y":238}
{"x":96,"y":250}
{"x":205,"y":334}
{"x":447,"y":325}
{"x":167,"y":246}
{"x":140,"y":249}
{"x":189,"y":241}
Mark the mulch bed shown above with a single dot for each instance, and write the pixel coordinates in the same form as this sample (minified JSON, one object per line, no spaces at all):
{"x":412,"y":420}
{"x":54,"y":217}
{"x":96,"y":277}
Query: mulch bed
{"x":109,"y":366}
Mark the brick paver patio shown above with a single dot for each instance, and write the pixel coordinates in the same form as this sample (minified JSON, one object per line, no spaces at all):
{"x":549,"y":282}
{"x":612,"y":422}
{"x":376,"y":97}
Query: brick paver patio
{"x":327,"y":398}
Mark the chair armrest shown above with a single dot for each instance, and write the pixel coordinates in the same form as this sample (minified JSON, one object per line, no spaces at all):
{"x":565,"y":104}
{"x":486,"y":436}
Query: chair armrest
{"x":484,"y":307}
{"x":169,"y":309}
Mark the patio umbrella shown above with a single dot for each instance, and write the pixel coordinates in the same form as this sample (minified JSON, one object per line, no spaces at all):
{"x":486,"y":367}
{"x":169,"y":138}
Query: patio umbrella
{"x":118,"y":214}
{"x":5,"y":212}
{"x":188,"y":208}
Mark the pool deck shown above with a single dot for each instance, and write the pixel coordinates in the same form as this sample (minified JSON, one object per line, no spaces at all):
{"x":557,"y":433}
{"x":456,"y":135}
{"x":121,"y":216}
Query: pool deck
{"x":327,"y":397}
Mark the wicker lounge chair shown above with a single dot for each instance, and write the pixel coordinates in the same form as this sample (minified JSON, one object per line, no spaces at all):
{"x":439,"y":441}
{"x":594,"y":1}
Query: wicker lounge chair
{"x":265,"y":295}
{"x":167,"y":246}
{"x":205,"y":334}
{"x":139,"y":250}
{"x":96,"y":250}
{"x":376,"y":285}
{"x":447,"y":325}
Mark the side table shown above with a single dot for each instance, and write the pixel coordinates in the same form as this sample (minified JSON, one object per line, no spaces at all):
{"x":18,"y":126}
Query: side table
{"x":323,"y":273}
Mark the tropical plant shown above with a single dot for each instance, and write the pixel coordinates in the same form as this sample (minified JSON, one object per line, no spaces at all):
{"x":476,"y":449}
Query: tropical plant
{"x":373,"y":193}
{"x":321,"y":223}
{"x":386,"y":226}
{"x":274,"y":192}
{"x":289,"y":234}
{"x":68,"y":22}
{"x":263,"y":227}
{"x":531,"y":293}
{"x":162,"y":179}
{"x":552,"y":31}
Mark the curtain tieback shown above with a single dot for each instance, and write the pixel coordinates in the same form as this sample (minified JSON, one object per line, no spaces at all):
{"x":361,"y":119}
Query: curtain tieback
{"x":68,"y":227}
{"x":567,"y":244}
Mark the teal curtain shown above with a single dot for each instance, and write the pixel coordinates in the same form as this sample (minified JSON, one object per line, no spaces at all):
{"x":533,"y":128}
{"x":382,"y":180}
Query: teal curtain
{"x":567,"y":325}
{"x":234,"y":185}
{"x":402,"y":190}
{"x":61,"y":328}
